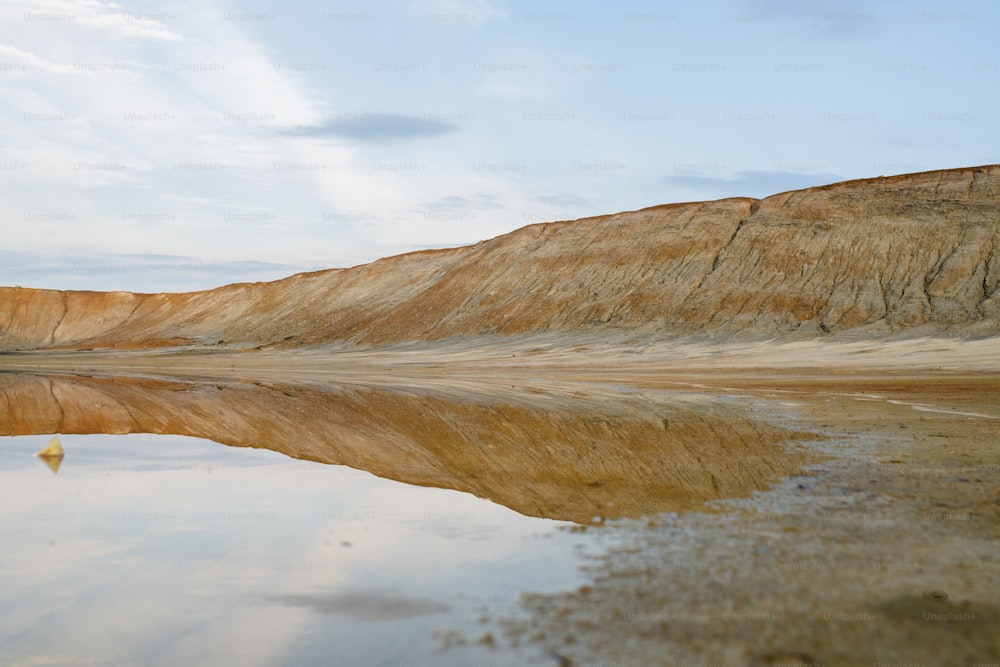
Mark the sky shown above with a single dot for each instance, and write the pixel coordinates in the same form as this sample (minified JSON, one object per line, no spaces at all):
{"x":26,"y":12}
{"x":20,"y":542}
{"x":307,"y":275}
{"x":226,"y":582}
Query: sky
{"x":176,"y":146}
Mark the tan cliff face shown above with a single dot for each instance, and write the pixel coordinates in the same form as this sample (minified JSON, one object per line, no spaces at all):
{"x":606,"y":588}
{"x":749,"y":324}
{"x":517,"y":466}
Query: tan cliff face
{"x":870,"y":257}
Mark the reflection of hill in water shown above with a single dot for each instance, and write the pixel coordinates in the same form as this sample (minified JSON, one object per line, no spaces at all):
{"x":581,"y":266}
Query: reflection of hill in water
{"x":540,"y":452}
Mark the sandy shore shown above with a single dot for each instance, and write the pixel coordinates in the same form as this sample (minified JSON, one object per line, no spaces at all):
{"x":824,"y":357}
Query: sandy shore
{"x":884,"y":554}
{"x":550,"y":357}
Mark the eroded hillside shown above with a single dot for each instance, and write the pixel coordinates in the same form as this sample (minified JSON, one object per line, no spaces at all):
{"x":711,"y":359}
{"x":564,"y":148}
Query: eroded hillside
{"x":868,"y":257}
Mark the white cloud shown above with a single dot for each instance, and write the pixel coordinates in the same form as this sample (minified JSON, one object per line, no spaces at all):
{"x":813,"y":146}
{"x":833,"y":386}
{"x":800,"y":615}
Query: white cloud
{"x":120,"y":125}
{"x":175,"y":133}
{"x":109,"y":17}
{"x":15,"y":57}
{"x":176,"y":140}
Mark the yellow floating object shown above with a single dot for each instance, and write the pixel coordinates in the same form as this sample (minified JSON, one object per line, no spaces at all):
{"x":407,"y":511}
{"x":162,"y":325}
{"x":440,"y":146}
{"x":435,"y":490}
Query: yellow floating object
{"x":54,"y":448}
{"x":52,"y":454}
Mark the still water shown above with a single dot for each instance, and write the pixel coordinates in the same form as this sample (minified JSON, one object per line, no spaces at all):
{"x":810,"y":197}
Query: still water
{"x":167,"y":550}
{"x":283,"y":522}
{"x":442,"y":520}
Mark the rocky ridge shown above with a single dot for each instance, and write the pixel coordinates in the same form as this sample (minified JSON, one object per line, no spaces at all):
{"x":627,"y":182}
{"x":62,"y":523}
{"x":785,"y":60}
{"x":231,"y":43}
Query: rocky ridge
{"x":911,"y":254}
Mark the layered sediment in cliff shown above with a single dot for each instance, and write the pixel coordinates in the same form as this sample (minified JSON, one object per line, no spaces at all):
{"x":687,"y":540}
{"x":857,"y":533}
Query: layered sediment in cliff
{"x":912,"y":253}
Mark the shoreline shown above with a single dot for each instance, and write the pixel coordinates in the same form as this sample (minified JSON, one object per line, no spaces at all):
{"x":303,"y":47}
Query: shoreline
{"x":557,"y":354}
{"x":871,"y":537}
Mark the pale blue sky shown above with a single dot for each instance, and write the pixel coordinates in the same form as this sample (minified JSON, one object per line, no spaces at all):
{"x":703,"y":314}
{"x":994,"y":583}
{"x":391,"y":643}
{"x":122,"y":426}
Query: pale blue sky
{"x":182,"y":145}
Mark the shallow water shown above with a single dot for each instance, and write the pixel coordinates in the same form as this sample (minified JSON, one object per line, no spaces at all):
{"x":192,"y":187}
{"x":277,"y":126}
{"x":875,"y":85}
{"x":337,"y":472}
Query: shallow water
{"x":797,"y":520}
{"x":150,"y":547}
{"x":167,"y":550}
{"x":339,"y":523}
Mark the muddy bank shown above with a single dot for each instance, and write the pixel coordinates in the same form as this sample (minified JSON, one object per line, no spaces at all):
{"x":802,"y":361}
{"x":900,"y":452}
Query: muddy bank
{"x":886,"y":553}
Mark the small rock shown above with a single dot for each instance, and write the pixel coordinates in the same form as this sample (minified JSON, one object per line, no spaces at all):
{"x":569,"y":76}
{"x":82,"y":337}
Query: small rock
{"x":54,"y":448}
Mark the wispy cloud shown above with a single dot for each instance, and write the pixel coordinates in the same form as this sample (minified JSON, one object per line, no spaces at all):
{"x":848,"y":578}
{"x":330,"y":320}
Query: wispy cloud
{"x":750,"y":183}
{"x":111,"y":17}
{"x":478,"y":201}
{"x":373,"y":127}
{"x":200,"y":144}
{"x":835,"y":20}
{"x":154,"y":136}
{"x":23,"y":62}
{"x":565,"y":199}
{"x":108,"y":18}
{"x":141,"y":272}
